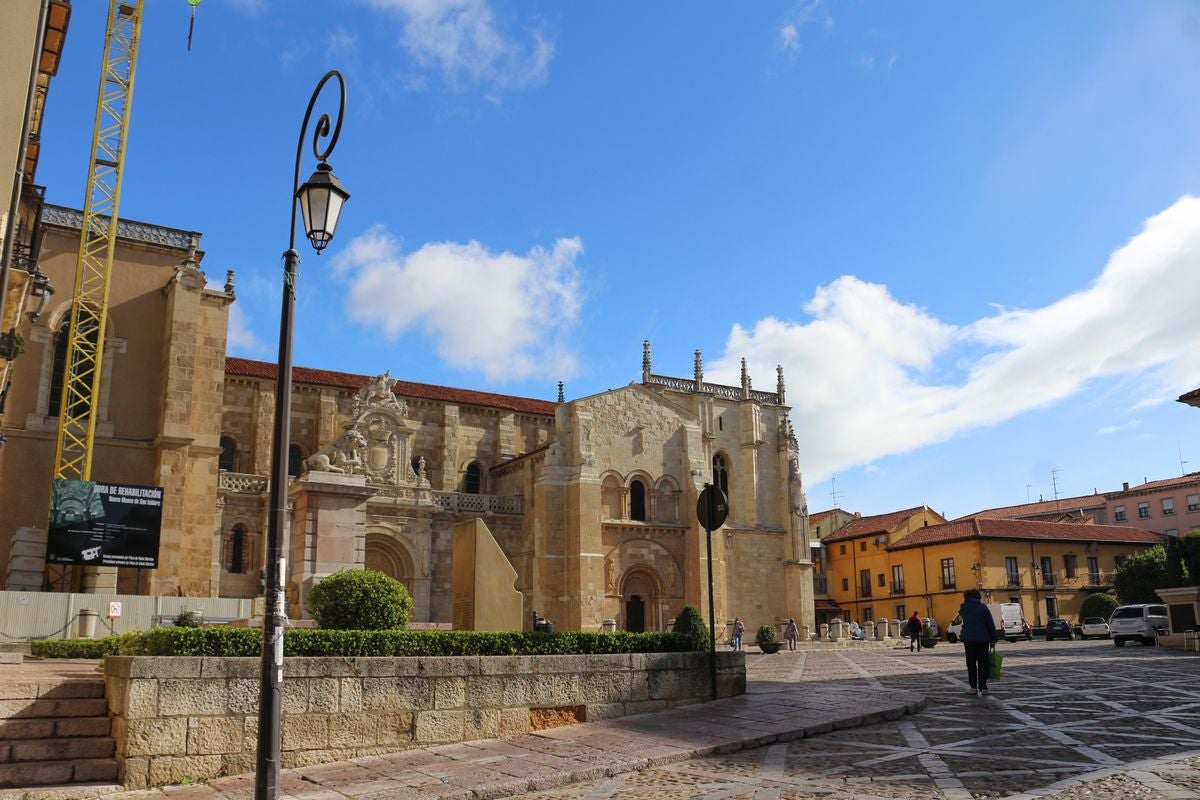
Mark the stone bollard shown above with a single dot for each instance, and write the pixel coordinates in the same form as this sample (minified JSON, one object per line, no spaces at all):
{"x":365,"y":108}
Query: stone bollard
{"x":823,"y":632}
{"x":835,"y":630}
{"x":868,"y":631}
{"x":87,"y":623}
{"x":896,"y":623}
{"x":608,"y":625}
{"x":805,"y":633}
{"x":882,"y":630}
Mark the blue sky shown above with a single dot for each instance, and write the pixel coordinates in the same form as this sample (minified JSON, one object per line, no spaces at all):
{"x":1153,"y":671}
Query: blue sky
{"x":968,"y":233}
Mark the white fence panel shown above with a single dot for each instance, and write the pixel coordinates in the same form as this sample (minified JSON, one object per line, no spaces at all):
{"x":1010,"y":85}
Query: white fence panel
{"x":53,"y":615}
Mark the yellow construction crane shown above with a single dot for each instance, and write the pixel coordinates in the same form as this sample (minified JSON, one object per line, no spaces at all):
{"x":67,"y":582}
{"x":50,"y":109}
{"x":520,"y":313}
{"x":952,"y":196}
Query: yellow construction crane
{"x":98,"y":237}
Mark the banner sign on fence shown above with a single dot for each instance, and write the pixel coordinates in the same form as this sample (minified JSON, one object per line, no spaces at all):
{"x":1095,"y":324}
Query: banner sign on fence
{"x":104,"y":524}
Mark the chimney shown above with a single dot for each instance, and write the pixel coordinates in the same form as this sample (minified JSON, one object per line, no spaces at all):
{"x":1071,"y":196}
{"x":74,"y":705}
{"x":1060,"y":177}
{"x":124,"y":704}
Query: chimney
{"x":1125,"y":486}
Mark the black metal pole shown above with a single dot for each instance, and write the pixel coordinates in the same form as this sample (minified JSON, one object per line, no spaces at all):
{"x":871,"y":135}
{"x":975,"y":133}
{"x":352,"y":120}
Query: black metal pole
{"x":270,"y":702}
{"x":712,"y":622}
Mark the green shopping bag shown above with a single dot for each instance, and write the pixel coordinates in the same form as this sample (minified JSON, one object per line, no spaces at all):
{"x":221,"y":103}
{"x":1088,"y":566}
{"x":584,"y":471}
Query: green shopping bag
{"x":997,"y":661}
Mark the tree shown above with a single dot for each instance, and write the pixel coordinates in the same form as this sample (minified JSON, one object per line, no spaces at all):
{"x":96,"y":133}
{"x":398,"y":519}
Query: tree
{"x":690,"y":622}
{"x":1140,"y":575}
{"x":360,"y":600}
{"x":1097,"y":605}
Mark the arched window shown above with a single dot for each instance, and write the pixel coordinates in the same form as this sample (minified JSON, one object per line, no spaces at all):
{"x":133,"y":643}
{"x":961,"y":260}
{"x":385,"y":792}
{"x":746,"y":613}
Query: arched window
{"x":610,"y":498}
{"x":295,"y":460}
{"x":637,"y":500}
{"x":58,"y":368}
{"x":721,"y":473}
{"x":228,"y":458}
{"x":473,"y":482}
{"x":235,"y":550}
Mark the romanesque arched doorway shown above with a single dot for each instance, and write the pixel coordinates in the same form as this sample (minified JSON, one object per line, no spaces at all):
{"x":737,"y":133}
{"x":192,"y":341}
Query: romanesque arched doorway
{"x":387,"y":555}
{"x":640,"y":593}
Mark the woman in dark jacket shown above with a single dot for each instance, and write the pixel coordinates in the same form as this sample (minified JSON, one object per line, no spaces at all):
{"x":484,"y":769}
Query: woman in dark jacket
{"x":978,"y":637}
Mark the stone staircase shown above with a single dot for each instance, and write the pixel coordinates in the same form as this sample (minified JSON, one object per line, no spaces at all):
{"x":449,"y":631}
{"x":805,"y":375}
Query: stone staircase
{"x":54,"y":730}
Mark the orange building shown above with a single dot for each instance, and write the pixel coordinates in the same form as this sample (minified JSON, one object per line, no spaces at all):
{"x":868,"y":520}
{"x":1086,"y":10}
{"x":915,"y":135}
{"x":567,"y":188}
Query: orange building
{"x":894,"y":564}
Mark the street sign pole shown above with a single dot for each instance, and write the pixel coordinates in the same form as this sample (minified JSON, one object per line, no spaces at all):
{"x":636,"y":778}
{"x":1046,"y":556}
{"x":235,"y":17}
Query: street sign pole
{"x":712,"y":507}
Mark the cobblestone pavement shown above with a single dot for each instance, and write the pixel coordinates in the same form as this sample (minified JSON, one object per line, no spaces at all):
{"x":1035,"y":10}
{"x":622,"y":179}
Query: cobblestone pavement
{"x":1067,"y":721}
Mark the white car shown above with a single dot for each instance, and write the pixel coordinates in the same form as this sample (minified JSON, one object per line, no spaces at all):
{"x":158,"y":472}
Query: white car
{"x":1141,"y":621}
{"x":1093,"y":626}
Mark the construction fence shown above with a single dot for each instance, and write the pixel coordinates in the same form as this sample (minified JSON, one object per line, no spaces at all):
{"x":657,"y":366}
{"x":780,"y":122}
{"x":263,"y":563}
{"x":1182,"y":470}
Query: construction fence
{"x":55,"y":615}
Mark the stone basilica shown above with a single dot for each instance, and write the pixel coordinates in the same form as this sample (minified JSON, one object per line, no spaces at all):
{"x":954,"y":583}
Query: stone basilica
{"x":592,"y":500}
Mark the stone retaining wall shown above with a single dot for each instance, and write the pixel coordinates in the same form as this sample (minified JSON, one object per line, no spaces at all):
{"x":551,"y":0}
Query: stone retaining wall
{"x":193,"y":717}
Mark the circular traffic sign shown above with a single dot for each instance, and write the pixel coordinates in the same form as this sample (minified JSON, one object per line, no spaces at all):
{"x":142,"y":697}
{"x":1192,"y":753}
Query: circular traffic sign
{"x":712,"y":507}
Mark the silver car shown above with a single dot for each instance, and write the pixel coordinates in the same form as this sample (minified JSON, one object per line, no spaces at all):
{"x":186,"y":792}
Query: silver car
{"x":1142,"y":621}
{"x":1093,"y":627}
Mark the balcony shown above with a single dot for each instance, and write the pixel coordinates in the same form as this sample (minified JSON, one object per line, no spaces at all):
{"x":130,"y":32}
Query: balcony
{"x":864,"y":591}
{"x":897,"y":588}
{"x":1100,"y":579}
{"x":1014,"y":581}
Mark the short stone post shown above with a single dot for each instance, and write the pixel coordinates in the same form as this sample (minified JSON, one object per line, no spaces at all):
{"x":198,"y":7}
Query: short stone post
{"x":835,"y":630}
{"x":805,"y":633}
{"x":896,"y":629}
{"x":608,"y":625}
{"x":823,"y":632}
{"x":86,"y":628}
{"x":882,"y":632}
{"x":868,"y":631}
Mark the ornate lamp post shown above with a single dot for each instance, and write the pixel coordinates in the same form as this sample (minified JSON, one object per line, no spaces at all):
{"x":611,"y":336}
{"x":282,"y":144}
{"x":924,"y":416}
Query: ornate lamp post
{"x":320,"y":199}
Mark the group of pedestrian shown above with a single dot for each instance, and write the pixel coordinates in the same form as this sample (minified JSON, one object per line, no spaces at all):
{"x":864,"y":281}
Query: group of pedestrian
{"x":791,"y":632}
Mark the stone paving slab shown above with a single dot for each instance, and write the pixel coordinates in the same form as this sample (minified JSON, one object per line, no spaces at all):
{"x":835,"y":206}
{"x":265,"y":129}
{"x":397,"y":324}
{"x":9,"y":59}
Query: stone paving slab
{"x":556,"y":757}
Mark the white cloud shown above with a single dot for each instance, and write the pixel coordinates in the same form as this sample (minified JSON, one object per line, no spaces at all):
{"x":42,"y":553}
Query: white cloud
{"x":501,"y":314}
{"x":1107,"y":429}
{"x":867,"y":375}
{"x":241,"y":340}
{"x":810,"y":12}
{"x":461,"y":40}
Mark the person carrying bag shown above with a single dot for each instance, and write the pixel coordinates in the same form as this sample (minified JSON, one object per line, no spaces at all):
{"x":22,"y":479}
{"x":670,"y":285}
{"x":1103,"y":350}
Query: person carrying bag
{"x":979,"y":640}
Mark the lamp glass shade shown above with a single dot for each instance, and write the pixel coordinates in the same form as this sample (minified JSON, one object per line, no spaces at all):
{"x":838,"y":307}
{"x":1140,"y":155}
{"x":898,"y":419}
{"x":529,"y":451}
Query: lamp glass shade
{"x":321,"y":199}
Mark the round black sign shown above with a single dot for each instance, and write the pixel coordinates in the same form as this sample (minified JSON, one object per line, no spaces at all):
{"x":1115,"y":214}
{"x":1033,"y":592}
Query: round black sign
{"x":712,"y":507}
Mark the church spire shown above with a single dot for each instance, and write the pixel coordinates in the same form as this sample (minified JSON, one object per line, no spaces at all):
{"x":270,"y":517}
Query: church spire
{"x":745,"y":381}
{"x":561,"y":397}
{"x":698,"y":370}
{"x":779,"y":387}
{"x":645,"y":360}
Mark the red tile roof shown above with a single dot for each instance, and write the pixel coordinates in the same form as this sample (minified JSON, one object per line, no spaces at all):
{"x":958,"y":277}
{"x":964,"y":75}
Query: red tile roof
{"x":1026,"y":529}
{"x":244,"y":367}
{"x":1063,"y":504}
{"x":1152,"y":486}
{"x":866,"y":526}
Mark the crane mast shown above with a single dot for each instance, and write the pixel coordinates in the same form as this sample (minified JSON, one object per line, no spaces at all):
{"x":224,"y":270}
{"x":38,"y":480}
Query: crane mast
{"x":79,"y":400}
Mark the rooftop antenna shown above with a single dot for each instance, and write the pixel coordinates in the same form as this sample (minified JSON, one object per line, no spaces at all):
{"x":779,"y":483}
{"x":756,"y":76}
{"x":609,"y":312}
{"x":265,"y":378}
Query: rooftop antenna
{"x":1179,"y":447}
{"x":1028,"y":486}
{"x":833,"y":492}
{"x":1054,"y":481}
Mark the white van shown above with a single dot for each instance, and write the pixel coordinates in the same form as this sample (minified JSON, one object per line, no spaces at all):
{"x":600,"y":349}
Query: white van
{"x":1009,"y":619}
{"x":1141,"y":621}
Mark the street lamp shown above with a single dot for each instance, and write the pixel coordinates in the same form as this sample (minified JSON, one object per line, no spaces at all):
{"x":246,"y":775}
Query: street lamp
{"x":321,"y":199}
{"x":41,"y":288}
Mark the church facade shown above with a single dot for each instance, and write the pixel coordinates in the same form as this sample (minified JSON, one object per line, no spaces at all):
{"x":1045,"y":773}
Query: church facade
{"x":592,"y":500}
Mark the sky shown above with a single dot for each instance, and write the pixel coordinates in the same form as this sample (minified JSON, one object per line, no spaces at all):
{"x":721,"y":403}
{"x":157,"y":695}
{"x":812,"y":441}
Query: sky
{"x":970,"y":234}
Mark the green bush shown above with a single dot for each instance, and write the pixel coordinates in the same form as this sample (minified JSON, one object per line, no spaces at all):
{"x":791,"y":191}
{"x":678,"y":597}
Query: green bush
{"x":74,"y":648}
{"x":188,"y":619}
{"x":690,"y":624}
{"x":247,"y":642}
{"x":1097,"y":605}
{"x":766,"y":633}
{"x":361,"y":600}
{"x":1140,"y":575}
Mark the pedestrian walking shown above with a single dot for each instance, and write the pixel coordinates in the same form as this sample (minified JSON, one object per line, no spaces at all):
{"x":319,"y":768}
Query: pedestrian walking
{"x":913,"y":628}
{"x":791,"y":632}
{"x":979,"y":639}
{"x":738,"y":630}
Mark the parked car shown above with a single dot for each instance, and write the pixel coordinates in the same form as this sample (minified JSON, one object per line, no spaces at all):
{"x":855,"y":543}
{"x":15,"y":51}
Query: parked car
{"x":1141,"y":621}
{"x":1059,"y":629}
{"x":1009,"y":625}
{"x":954,"y":629}
{"x":1093,"y":626}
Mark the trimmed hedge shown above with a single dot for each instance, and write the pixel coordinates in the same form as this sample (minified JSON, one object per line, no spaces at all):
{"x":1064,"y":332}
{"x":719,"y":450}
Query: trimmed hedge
{"x":74,"y":648}
{"x":245,"y":642}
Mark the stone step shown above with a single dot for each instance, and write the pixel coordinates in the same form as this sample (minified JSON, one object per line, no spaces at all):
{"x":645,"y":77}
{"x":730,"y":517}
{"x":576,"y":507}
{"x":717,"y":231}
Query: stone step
{"x":58,"y":791}
{"x":53,"y":690}
{"x":12,"y":729}
{"x":42,"y":773}
{"x":53,"y":707}
{"x":82,"y":747}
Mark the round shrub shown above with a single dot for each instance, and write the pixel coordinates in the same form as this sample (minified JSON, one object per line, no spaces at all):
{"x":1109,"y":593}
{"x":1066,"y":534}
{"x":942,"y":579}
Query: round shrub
{"x":360,"y":600}
{"x":690,"y":623}
{"x":766,"y":633}
{"x":1097,"y":605}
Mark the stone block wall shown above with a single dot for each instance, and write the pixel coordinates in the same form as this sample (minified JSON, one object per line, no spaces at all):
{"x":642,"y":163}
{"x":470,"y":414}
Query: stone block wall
{"x":197,"y":717}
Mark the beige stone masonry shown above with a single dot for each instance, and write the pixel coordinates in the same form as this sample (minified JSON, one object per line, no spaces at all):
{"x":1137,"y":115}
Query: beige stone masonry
{"x":198,"y":717}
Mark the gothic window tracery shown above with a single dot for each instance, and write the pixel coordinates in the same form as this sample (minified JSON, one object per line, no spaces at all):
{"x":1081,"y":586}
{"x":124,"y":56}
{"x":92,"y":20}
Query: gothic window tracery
{"x":721,"y":473}
{"x":234,"y":559}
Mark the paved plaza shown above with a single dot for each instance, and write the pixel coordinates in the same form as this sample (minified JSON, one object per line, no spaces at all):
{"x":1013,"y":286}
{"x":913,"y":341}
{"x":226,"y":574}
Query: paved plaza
{"x":1067,"y":720}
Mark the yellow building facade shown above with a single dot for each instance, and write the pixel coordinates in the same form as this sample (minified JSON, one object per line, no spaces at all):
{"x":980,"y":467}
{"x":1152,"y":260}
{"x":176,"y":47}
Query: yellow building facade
{"x":1049,"y":568}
